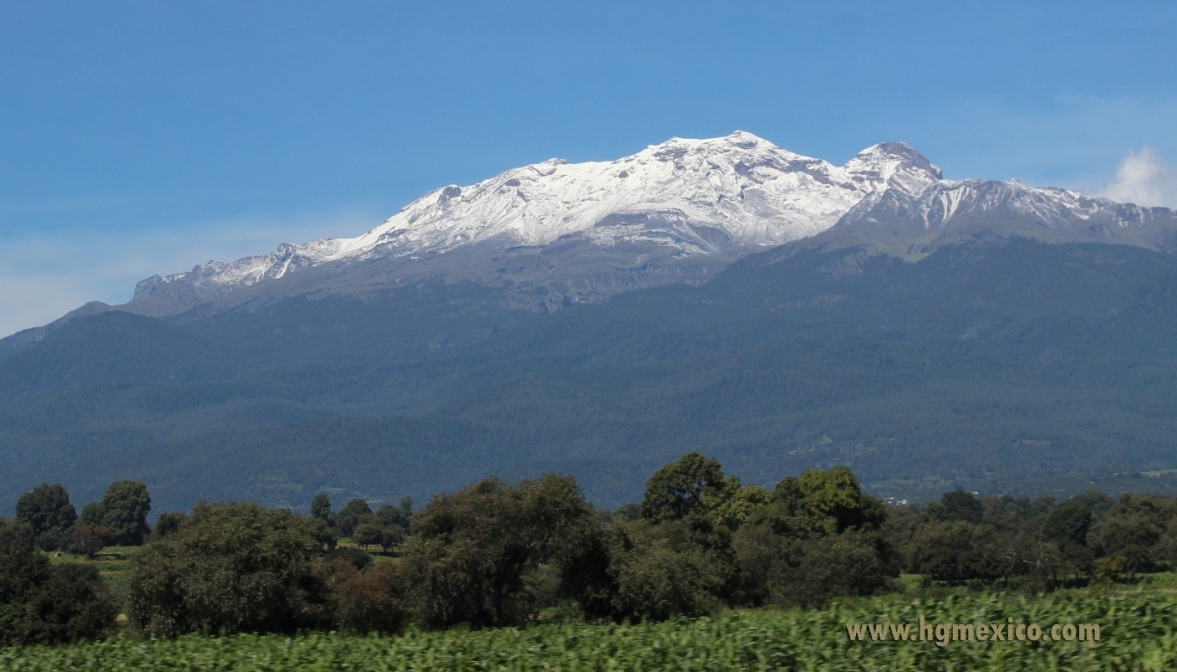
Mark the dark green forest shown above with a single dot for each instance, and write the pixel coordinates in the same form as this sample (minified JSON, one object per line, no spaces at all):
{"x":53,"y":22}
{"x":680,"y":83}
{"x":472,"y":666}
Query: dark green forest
{"x":498,"y":553}
{"x":1017,"y":368}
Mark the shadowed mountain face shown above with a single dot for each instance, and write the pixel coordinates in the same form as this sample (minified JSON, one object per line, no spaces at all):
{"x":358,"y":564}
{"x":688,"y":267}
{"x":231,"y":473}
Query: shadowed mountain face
{"x":1005,"y":365}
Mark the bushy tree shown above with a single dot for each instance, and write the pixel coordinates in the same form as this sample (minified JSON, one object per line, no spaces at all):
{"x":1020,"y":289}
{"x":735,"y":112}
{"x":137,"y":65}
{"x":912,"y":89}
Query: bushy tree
{"x":355,"y":557}
{"x":817,"y":538}
{"x":229,"y":568}
{"x":852,"y":563}
{"x":683,"y":488}
{"x":473,"y":553}
{"x":1133,"y":529}
{"x":91,"y":514}
{"x":167,"y":524}
{"x":321,"y":507}
{"x":659,"y":572}
{"x":368,"y":535}
{"x":956,"y":550}
{"x":45,"y":604}
{"x":372,"y":600}
{"x":389,"y":516}
{"x":82,"y":539}
{"x":961,"y":505}
{"x":323,"y":533}
{"x":48,"y":512}
{"x":387,"y":528}
{"x":356,"y":513}
{"x":826,"y":502}
{"x":1069,"y":523}
{"x":123,"y":510}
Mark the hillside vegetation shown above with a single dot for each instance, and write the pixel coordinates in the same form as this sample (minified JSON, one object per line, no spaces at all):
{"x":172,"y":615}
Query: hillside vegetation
{"x":1019,"y":368}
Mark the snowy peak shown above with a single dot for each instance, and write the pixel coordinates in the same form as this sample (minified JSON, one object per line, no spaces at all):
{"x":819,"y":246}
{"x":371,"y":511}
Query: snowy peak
{"x":896,"y":164}
{"x":677,"y":211}
{"x":686,"y":197}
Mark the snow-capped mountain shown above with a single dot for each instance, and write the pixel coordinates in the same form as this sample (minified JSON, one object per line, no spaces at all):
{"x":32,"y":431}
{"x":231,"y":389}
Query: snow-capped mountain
{"x":680,"y":199}
{"x":557,"y":232}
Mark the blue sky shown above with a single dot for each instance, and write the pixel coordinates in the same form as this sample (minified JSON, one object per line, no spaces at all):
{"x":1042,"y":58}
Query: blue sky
{"x":145,"y":137}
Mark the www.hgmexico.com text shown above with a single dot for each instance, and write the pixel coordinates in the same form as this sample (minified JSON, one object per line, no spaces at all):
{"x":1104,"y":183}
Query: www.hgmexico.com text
{"x":942,"y":633}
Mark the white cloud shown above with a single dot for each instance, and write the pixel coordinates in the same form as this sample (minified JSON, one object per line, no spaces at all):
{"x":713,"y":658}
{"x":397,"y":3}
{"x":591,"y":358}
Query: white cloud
{"x":42,"y":277}
{"x":1144,"y":179}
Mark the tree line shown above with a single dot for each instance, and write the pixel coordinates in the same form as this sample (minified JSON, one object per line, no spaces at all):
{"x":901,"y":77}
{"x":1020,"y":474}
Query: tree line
{"x":501,"y":553}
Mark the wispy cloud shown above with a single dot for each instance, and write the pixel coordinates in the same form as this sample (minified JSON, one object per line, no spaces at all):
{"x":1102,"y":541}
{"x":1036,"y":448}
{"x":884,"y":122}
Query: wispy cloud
{"x":42,"y":277}
{"x":1144,"y":178}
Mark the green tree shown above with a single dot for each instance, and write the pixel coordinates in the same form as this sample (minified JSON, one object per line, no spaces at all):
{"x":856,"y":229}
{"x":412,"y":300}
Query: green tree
{"x":370,"y":600}
{"x":321,"y":507}
{"x":82,"y":539}
{"x":368,"y":535}
{"x":229,"y":568}
{"x":852,"y":563}
{"x":1095,"y":500}
{"x":167,"y":524}
{"x":1133,"y":529}
{"x":44,"y":604}
{"x":830,"y":501}
{"x":682,"y":487}
{"x":356,"y":513}
{"x":660,"y":572}
{"x":123,"y":510}
{"x":818,"y":537}
{"x":955,"y":550}
{"x":91,"y":514}
{"x":1069,"y":522}
{"x":323,"y":534}
{"x":961,"y":505}
{"x":389,"y":516}
{"x":473,"y":554}
{"x":46,"y":507}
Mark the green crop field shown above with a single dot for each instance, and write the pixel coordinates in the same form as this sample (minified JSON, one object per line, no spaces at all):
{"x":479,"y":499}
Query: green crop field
{"x":1137,"y":633}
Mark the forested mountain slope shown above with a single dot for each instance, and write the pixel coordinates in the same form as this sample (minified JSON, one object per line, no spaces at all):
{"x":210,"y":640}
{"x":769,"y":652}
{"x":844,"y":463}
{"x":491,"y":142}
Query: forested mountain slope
{"x":1001,"y":365}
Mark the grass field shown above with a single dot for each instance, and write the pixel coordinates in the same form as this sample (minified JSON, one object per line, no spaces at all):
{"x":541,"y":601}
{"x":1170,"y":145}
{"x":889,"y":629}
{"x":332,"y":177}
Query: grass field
{"x":112,"y":563}
{"x":1137,"y":633}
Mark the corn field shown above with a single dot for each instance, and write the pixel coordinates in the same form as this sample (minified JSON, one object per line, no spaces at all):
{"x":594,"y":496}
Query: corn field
{"x":1137,"y":633}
